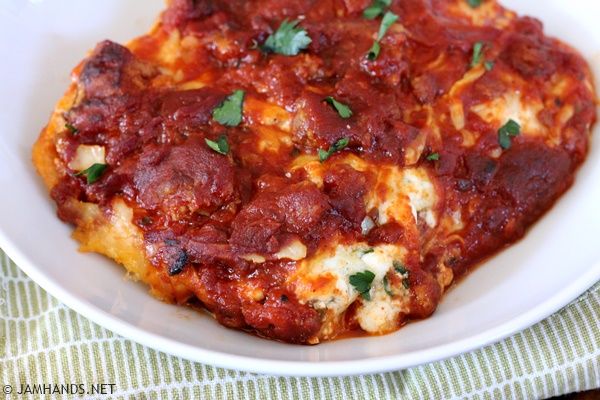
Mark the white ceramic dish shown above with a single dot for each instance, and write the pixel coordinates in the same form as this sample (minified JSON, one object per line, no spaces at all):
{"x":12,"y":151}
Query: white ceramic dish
{"x":40,"y":41}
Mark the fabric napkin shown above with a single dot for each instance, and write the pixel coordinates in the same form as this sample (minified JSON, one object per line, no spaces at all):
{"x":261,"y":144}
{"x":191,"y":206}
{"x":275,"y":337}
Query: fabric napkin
{"x":42,"y":342}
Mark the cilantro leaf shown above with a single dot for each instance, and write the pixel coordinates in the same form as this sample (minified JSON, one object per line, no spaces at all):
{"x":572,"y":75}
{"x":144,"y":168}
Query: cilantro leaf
{"x":507,"y":131}
{"x":337,"y":146}
{"x":229,"y":112}
{"x":71,"y":128}
{"x":343,"y":110}
{"x":474,"y":3}
{"x":362,"y":283}
{"x":220,"y":146}
{"x":288,"y":39}
{"x":93,"y":173}
{"x":433,"y":157}
{"x":388,"y":19}
{"x":376,"y":8}
{"x":477,"y":54}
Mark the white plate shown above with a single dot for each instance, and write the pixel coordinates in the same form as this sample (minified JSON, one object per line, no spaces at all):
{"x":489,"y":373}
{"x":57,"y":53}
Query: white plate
{"x":40,"y":41}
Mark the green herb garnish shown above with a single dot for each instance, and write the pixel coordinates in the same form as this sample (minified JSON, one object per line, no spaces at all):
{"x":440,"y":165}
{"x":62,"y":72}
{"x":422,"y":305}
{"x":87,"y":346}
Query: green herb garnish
{"x":229,"y":112}
{"x":71,"y":128}
{"x":288,"y":39}
{"x":374,"y":51}
{"x":489,"y":65}
{"x":508,"y":131}
{"x":386,"y":287}
{"x":362,"y":283}
{"x":388,"y":19}
{"x":337,"y":146}
{"x":376,"y":8}
{"x":405,"y":282}
{"x":433,"y":157}
{"x":477,"y":54}
{"x":474,"y":3}
{"x":93,"y":173}
{"x":399,"y":268}
{"x":343,"y":110}
{"x":220,"y":146}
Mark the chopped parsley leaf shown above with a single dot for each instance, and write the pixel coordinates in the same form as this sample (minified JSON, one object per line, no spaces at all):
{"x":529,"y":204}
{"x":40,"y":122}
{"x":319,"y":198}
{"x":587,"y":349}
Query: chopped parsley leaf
{"x":343,"y":110}
{"x":405,"y":282}
{"x":388,"y":19}
{"x":386,"y":287}
{"x":337,"y":146}
{"x":362,"y":283}
{"x":374,"y":51}
{"x":367,"y":251}
{"x":433,"y":157}
{"x":489,"y":65}
{"x":376,"y":8}
{"x":474,"y":3}
{"x":507,"y":131}
{"x":323,"y":155}
{"x":220,"y":146}
{"x":477,"y":54}
{"x":229,"y":112}
{"x":93,"y":173}
{"x":399,"y":268}
{"x":71,"y":128}
{"x":288,"y":39}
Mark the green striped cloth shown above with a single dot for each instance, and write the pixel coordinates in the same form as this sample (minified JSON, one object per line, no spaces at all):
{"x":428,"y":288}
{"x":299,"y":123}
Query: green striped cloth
{"x":43,"y":342}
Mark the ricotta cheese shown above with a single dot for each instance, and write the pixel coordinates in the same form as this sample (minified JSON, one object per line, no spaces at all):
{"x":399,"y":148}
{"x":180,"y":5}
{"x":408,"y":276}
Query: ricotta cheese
{"x":324,"y":282}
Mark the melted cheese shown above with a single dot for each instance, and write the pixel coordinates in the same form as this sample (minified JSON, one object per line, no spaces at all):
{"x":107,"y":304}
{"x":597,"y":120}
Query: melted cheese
{"x":197,"y":83}
{"x":455,"y":105}
{"x":312,"y":166}
{"x":397,"y":195}
{"x":488,"y":13}
{"x":413,"y":151}
{"x":170,"y":49}
{"x":295,"y":250}
{"x":263,"y":113}
{"x":400,"y":193}
{"x":512,"y":106}
{"x":271,"y":139}
{"x":86,"y":156}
